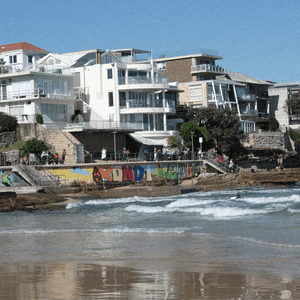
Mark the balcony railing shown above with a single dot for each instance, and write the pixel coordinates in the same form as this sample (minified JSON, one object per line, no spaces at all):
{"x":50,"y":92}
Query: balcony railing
{"x":249,"y":112}
{"x":143,"y":80}
{"x":247,"y":97}
{"x":208,"y":68}
{"x":36,"y":93}
{"x":54,"y":69}
{"x":110,"y":125}
{"x":138,"y":103}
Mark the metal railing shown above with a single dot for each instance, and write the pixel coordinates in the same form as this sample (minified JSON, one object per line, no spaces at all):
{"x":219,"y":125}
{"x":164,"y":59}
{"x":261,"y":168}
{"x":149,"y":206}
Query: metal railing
{"x":37,"y":93}
{"x":208,"y":68}
{"x":142,"y":80}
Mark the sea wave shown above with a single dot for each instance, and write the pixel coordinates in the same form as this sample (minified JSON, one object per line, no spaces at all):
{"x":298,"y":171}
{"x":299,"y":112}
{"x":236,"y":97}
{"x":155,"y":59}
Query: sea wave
{"x":217,"y":212}
{"x":118,"y":201}
{"x":266,"y":200}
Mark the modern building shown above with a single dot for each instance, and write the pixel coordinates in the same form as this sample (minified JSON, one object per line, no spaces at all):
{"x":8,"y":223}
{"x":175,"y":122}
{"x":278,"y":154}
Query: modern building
{"x":122,"y":90}
{"x":204,"y":83}
{"x":27,"y":89}
{"x":279,"y":93}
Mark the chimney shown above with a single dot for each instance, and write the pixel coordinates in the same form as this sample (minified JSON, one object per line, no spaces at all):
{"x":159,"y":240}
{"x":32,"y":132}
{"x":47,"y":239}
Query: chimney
{"x":98,"y":57}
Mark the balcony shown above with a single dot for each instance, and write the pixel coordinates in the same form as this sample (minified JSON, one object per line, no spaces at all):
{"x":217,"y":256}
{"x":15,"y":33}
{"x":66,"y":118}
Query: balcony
{"x":249,"y":112}
{"x":206,"y":68}
{"x":247,"y":97}
{"x":142,"y":80}
{"x":36,"y":93}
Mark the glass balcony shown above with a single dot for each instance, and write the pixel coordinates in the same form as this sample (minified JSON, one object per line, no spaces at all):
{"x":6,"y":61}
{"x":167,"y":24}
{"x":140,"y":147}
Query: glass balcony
{"x":138,"y":103}
{"x":142,"y":80}
{"x":206,"y":68}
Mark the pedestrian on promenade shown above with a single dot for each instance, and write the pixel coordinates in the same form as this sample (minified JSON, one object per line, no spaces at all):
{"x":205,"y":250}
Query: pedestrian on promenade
{"x":103,"y":154}
{"x":63,"y":156}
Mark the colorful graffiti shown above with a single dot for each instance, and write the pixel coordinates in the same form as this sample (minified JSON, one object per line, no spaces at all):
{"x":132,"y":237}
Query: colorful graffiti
{"x":127,"y":173}
{"x":6,"y":178}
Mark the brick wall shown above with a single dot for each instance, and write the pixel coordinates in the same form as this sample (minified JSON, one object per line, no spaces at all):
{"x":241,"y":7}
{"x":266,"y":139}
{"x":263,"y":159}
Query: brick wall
{"x":179,"y":70}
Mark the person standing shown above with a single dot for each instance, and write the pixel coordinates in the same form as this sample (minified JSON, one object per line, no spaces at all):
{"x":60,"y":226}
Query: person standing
{"x":155,"y":155}
{"x":103,"y":154}
{"x":63,"y":156}
{"x":199,"y":154}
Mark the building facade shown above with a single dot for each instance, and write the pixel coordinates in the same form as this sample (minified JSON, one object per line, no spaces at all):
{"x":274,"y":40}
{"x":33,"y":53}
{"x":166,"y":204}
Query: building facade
{"x":204,"y":83}
{"x":123,"y":90}
{"x":27,"y":89}
{"x":279,"y":93}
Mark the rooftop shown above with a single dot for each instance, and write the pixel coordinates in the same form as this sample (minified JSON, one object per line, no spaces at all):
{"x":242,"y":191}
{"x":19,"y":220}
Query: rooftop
{"x":239,"y":77}
{"x":20,"y":46}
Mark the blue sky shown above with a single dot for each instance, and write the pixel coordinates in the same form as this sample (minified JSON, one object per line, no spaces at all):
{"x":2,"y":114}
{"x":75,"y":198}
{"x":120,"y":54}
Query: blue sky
{"x":259,"y":38}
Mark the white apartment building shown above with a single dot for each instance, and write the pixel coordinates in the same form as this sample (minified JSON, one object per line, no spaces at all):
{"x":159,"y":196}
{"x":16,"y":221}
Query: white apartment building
{"x":27,"y":89}
{"x":115,"y":90}
{"x":123,"y":90}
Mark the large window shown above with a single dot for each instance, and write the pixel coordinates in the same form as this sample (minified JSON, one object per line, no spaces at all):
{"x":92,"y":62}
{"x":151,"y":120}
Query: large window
{"x":159,"y":121}
{"x":56,"y":112}
{"x":47,"y":86}
{"x":110,"y":99}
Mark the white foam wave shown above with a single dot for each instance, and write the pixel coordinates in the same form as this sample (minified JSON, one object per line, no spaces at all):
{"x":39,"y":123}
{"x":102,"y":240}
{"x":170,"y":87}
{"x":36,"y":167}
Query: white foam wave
{"x":189,"y":202}
{"x":266,"y":200}
{"x":293,"y":211}
{"x":253,"y":240}
{"x":124,"y":229}
{"x":118,"y":201}
{"x":216,"y":212}
{"x":73,"y":205}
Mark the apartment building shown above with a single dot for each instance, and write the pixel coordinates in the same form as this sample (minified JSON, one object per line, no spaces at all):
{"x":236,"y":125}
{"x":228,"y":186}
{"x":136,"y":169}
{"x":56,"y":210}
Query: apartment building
{"x":204,"y":83}
{"x":123,"y":90}
{"x":27,"y":89}
{"x":279,"y":93}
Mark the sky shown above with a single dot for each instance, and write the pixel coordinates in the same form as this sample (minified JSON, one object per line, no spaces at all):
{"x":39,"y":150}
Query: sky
{"x":259,"y":38}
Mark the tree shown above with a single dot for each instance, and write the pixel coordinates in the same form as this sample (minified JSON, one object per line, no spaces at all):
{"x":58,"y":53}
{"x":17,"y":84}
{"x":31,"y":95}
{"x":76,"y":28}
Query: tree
{"x":7,"y":123}
{"x":186,"y":130}
{"x":273,"y":124}
{"x":222,"y":124}
{"x":292,"y":103}
{"x":34,"y":146}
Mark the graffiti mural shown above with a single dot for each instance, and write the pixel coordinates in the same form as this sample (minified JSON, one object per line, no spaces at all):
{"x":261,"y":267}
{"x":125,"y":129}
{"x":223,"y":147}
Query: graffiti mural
{"x":6,"y":178}
{"x":129,"y":173}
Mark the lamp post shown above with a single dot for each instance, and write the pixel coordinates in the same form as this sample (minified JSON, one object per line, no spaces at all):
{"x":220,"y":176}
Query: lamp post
{"x":192,"y":135}
{"x":115,"y":146}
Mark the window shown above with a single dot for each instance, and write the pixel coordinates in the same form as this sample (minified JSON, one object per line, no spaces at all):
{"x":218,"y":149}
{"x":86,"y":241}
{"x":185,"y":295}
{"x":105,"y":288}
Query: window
{"x":107,"y":59}
{"x":30,"y":58}
{"x":110,"y":99}
{"x":109,"y":74}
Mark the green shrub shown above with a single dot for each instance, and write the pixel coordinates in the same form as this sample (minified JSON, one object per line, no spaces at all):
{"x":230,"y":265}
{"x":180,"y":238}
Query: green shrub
{"x":173,"y":141}
{"x":273,"y":124}
{"x":34,"y":146}
{"x":7,"y":123}
{"x":39,"y":119}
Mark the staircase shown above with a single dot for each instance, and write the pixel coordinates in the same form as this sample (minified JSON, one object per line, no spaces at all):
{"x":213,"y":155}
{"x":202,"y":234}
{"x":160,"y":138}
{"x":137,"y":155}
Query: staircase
{"x":212,"y":160}
{"x":61,"y":140}
{"x":35,"y":177}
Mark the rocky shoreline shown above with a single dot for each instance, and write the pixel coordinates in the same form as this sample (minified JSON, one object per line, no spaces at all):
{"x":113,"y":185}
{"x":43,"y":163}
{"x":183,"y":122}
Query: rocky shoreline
{"x":205,"y":182}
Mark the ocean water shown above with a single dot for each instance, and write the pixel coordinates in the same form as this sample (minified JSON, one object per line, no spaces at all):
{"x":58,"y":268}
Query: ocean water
{"x":203,"y":245}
